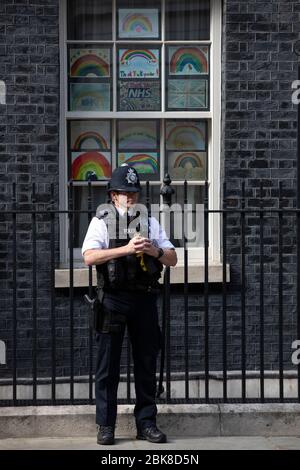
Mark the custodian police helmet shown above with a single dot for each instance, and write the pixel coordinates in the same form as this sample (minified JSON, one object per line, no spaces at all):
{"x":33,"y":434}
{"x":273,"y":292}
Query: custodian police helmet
{"x":124,"y":178}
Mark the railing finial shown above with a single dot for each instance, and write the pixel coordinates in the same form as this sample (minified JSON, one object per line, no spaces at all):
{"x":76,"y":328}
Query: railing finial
{"x":166,"y":191}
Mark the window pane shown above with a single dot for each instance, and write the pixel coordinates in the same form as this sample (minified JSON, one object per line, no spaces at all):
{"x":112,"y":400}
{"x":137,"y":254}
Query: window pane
{"x":136,"y":135}
{"x":90,"y":77}
{"x":89,"y":61}
{"x":187,"y":165}
{"x":134,"y":21}
{"x":194,"y":220}
{"x":139,"y":63}
{"x":89,"y":19}
{"x":89,"y":97}
{"x":90,"y":135}
{"x":187,"y":19}
{"x":188,"y":60}
{"x":187,"y":95}
{"x":89,"y":150}
{"x":139,"y":79}
{"x":187,"y":77}
{"x":186,"y":149}
{"x":99,"y":196}
{"x":138,"y":145}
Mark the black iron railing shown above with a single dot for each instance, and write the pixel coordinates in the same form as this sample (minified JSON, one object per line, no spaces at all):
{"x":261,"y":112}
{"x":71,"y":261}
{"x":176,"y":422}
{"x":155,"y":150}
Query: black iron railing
{"x":242,"y":355}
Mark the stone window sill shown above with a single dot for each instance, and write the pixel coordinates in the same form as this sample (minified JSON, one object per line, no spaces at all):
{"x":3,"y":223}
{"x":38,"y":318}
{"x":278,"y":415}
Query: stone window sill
{"x":195,"y":275}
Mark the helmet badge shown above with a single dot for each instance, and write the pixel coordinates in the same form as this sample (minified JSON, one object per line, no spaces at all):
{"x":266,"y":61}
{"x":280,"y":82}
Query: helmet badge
{"x":131,"y":176}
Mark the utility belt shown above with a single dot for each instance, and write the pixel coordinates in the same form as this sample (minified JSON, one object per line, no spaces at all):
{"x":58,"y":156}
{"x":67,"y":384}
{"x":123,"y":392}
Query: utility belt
{"x":134,"y":288}
{"x":101,"y":320}
{"x":125,"y":274}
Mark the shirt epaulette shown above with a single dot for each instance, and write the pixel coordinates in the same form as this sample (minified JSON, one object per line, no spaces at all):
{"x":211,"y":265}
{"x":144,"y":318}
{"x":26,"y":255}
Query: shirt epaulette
{"x":101,"y":214}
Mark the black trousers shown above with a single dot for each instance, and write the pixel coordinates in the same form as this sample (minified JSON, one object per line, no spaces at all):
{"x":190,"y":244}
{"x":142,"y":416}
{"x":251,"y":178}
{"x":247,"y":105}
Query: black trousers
{"x":141,"y":317}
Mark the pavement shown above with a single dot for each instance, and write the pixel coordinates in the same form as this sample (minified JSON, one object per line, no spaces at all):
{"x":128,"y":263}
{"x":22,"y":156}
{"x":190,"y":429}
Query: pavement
{"x":174,"y":443}
{"x":186,"y":423}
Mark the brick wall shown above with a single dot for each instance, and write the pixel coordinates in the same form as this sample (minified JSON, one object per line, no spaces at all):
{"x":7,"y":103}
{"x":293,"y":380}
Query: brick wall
{"x":30,"y":69}
{"x":258,"y":141}
{"x":29,"y":138}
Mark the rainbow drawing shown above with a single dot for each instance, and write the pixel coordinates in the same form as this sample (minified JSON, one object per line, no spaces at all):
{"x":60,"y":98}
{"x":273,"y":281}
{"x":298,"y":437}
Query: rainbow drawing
{"x":185,"y":135}
{"x":186,"y":165}
{"x":144,"y":163}
{"x":138,"y":23}
{"x":89,"y":97}
{"x":92,"y":139}
{"x":90,"y":135}
{"x":137,"y":135}
{"x":89,"y":62}
{"x":95,"y":165}
{"x":139,"y":63}
{"x":130,"y":55}
{"x":188,"y":160}
{"x":188,"y":60}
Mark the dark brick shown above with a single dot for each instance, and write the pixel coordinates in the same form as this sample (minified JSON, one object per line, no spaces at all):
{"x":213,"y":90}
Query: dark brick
{"x":258,"y":142}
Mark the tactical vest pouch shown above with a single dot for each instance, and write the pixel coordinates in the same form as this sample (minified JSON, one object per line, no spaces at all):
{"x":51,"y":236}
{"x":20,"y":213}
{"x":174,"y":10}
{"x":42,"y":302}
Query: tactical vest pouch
{"x":115,"y":272}
{"x":154,"y":267}
{"x":131,"y":265}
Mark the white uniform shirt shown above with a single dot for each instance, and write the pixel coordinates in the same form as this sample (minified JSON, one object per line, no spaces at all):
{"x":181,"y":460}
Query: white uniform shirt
{"x":97,"y":235}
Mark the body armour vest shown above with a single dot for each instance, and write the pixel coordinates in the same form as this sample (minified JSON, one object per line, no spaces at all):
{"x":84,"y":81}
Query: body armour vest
{"x":129,"y":272}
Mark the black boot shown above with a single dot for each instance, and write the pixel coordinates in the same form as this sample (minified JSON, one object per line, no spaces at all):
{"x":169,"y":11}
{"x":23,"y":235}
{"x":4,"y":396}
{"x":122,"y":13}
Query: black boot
{"x":151,"y":433}
{"x":106,"y":435}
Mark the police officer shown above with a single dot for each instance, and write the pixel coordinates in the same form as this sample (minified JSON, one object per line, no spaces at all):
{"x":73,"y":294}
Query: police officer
{"x":128,"y":269}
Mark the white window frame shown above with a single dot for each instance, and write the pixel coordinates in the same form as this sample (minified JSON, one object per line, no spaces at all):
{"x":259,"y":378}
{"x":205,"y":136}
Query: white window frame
{"x":213,"y":116}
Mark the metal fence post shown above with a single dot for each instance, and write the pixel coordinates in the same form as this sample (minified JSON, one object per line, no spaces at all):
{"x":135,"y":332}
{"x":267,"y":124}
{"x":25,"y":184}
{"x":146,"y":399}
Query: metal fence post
{"x":167,"y":192}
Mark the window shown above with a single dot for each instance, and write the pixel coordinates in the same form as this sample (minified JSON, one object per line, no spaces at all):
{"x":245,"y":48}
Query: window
{"x":141,"y":84}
